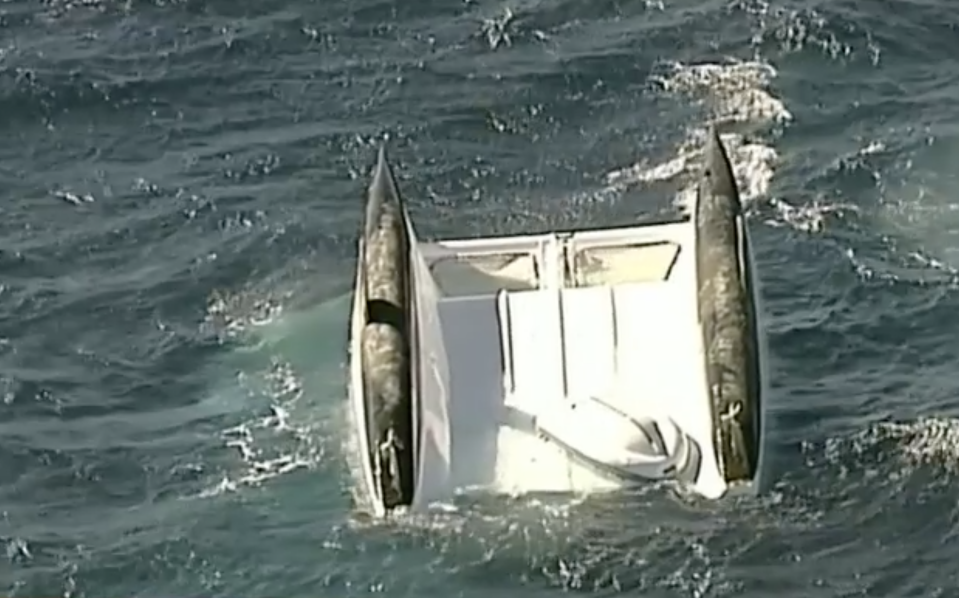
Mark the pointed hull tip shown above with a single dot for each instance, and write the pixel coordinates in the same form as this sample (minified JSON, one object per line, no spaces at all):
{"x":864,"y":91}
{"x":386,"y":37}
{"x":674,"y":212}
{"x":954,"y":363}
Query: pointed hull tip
{"x":719,"y":171}
{"x":382,"y":346}
{"x":729,"y":318}
{"x":381,"y":161}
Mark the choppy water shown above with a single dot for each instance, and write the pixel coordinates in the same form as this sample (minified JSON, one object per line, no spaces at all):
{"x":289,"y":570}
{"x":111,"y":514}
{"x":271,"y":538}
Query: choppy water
{"x":180,"y":188}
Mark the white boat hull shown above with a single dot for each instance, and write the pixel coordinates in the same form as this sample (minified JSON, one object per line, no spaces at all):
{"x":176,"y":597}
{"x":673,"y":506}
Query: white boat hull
{"x":567,"y":362}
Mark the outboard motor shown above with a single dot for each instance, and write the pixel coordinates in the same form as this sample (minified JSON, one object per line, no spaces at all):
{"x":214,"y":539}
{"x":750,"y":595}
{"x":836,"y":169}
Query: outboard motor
{"x":609,"y":440}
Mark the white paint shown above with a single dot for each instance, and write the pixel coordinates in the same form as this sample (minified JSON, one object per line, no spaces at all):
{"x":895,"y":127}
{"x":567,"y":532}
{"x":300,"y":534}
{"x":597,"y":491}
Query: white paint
{"x":432,"y":386}
{"x":505,"y":354}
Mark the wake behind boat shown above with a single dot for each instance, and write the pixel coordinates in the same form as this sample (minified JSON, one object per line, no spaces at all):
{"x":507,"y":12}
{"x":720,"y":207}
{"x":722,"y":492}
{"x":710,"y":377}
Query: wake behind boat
{"x":563,"y":362}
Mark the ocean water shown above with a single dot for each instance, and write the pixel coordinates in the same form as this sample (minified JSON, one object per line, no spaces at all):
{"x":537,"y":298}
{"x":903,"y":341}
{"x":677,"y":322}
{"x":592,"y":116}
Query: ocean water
{"x":181,"y":185}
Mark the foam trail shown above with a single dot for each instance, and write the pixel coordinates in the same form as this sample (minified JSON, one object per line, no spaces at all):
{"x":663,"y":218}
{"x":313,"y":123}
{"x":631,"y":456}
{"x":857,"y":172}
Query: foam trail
{"x":273,"y":370}
{"x":735,"y":93}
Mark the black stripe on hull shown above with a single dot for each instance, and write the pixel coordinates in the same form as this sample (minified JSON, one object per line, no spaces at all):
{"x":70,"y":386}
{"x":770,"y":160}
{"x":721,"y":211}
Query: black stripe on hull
{"x":728,"y":317}
{"x":387,"y":346}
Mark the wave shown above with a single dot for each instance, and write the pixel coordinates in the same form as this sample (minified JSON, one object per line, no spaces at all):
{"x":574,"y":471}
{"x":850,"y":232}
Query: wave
{"x":734,"y":93}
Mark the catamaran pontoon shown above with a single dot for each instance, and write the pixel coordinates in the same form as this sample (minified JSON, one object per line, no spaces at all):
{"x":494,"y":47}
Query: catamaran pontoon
{"x":570,"y":361}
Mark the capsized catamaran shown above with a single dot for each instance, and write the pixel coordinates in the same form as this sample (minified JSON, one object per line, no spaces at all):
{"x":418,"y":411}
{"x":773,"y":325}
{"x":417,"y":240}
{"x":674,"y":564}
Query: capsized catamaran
{"x":572,"y":361}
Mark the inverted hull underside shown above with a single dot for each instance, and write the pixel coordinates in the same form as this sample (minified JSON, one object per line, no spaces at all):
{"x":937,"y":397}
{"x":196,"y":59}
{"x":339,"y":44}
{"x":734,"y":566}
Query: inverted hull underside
{"x":492,"y":439}
{"x":579,"y":362}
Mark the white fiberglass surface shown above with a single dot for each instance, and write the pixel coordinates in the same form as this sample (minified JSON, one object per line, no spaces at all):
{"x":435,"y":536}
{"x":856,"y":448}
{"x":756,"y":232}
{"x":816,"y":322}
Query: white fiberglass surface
{"x":661,"y":369}
{"x":489,"y":449}
{"x":658,"y":372}
{"x":471,"y":336}
{"x":589,"y":340}
{"x":433,"y":387}
{"x":634,"y":345}
{"x":526,"y":462}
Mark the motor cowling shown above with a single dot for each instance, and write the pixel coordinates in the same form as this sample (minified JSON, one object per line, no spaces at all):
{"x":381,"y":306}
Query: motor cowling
{"x":647,"y":447}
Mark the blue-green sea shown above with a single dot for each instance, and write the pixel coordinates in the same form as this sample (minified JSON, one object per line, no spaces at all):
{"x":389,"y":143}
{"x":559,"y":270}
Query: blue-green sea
{"x":181,"y":188}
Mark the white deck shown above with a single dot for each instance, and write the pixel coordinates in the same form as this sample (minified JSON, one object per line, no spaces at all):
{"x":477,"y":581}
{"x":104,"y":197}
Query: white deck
{"x":614,"y":317}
